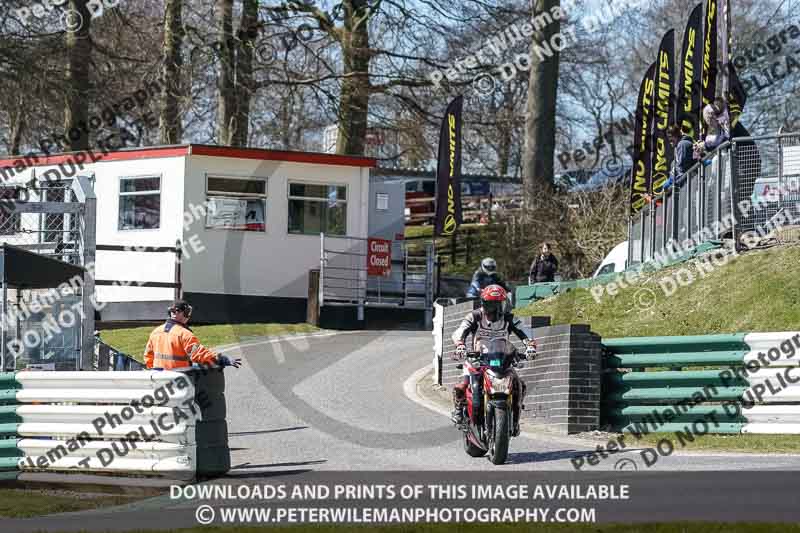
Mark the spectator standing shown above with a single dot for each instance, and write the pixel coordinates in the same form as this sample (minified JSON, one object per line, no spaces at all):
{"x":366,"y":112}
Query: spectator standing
{"x":544,"y":266}
{"x":683,"y":159}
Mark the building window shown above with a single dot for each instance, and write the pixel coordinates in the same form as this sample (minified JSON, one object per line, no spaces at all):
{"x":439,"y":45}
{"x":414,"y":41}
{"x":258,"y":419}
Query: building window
{"x":236,"y":203}
{"x":140,"y":203}
{"x":315,"y":209}
{"x":9,"y":220}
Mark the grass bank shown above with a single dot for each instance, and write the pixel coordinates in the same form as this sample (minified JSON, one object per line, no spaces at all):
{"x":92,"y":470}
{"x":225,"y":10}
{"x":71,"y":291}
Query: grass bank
{"x":133,"y":340}
{"x":755,"y":291}
{"x":20,"y":503}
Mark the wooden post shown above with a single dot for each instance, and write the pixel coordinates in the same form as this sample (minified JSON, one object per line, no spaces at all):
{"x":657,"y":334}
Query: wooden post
{"x":312,"y":309}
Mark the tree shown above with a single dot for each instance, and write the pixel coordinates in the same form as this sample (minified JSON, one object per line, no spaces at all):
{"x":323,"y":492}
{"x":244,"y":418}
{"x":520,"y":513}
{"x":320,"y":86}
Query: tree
{"x":540,"y":122}
{"x":170,"y":127}
{"x":79,"y":49}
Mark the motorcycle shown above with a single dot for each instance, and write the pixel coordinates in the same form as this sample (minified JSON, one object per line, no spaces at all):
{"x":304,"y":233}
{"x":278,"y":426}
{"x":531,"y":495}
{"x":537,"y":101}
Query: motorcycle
{"x":491,"y":430}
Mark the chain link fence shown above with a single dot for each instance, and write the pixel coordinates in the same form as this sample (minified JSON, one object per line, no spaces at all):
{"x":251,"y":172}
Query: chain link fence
{"x":752,"y":182}
{"x":48,"y":318}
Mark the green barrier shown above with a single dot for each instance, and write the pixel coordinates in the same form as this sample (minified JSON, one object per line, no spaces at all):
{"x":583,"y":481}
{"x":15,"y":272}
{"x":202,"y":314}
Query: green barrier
{"x":644,"y":398}
{"x":9,"y":422}
{"x":668,"y":413}
{"x":676,"y":378}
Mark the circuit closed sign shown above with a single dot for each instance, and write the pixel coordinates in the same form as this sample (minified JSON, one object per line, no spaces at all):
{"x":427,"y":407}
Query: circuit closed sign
{"x":379,"y":257}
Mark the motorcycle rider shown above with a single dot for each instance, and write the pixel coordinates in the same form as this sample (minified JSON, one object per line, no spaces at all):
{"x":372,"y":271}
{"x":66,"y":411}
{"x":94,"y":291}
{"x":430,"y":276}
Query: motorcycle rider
{"x":487,"y":322}
{"x":484,"y":276}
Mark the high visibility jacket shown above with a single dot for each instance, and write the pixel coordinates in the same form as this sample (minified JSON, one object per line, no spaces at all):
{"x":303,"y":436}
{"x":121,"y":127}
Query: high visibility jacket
{"x":175,"y":346}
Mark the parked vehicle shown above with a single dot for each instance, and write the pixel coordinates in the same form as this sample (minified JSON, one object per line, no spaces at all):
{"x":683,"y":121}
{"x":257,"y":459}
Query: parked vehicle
{"x":615,"y":261}
{"x":493,"y":364}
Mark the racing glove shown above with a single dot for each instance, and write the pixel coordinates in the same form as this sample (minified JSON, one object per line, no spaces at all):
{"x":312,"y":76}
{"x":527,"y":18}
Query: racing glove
{"x":461,"y":351}
{"x":224,"y":361}
{"x":530,"y":349}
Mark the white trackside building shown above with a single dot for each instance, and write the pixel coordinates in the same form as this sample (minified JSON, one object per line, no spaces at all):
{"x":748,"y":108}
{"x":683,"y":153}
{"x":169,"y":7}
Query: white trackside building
{"x":248,"y":222}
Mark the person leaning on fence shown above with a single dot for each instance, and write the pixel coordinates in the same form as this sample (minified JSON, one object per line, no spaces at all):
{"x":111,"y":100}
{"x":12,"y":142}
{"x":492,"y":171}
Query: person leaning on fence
{"x":544,"y":266}
{"x":174,"y":345}
{"x":717,"y":125}
{"x":683,"y":160}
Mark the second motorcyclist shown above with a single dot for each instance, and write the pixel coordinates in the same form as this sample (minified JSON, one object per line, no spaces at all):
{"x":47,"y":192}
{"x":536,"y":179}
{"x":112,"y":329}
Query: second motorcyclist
{"x":484,"y":276}
{"x":488,"y":322}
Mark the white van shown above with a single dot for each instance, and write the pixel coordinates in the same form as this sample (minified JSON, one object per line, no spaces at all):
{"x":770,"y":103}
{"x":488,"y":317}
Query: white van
{"x":615,"y":261}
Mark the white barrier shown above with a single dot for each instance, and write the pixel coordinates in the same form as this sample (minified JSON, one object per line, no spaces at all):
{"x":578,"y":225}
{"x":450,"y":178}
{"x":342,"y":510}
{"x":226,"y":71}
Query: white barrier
{"x":786,"y":343}
{"x":139,"y":421}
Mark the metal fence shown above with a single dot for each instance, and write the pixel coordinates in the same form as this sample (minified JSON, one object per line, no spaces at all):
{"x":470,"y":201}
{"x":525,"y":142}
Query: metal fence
{"x":344,"y":279}
{"x":57,"y":220}
{"x":741,"y":187}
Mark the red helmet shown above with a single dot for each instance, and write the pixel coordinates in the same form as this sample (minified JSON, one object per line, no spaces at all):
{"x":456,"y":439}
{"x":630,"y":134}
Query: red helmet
{"x":493,"y":293}
{"x":493,"y":298}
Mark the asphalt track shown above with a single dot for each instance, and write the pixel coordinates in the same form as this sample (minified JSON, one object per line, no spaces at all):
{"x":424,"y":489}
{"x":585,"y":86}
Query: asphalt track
{"x":333,"y":403}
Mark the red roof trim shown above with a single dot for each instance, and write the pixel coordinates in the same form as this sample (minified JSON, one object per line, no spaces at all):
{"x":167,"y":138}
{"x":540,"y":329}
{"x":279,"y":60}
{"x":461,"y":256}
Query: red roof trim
{"x":92,"y":156}
{"x":193,"y":149}
{"x":282,"y":155}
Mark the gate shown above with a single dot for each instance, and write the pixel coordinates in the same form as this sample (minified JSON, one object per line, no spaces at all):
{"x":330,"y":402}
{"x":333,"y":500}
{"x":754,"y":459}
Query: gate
{"x":344,"y":280}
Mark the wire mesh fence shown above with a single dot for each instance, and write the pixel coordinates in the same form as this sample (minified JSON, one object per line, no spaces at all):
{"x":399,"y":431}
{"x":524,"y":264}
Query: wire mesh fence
{"x":43,"y":326}
{"x":752,"y":182}
{"x":56,"y":235}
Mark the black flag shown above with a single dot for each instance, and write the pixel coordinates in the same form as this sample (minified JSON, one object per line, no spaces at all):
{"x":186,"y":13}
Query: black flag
{"x":690,"y":86}
{"x":710,"y":54}
{"x":448,"y":171}
{"x":737,"y":96}
{"x":664,"y":102}
{"x":641,"y":172}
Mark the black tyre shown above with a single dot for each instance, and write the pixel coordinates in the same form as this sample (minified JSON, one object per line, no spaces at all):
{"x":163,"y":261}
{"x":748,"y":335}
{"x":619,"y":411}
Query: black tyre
{"x":471,"y":449}
{"x":498,"y":451}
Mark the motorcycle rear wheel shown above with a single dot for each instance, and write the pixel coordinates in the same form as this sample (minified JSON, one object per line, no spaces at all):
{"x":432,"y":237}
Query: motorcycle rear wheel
{"x":498,"y":451}
{"x":471,"y":449}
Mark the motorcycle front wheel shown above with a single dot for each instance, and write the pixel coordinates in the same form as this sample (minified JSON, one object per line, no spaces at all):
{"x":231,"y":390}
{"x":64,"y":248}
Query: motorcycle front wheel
{"x":498,"y":451}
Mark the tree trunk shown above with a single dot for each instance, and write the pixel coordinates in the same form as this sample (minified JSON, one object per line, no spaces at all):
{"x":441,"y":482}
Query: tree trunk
{"x":354,"y":98}
{"x":248,"y":32}
{"x":76,"y":79}
{"x":540,"y":122}
{"x":170,"y":127}
{"x":226,"y":80}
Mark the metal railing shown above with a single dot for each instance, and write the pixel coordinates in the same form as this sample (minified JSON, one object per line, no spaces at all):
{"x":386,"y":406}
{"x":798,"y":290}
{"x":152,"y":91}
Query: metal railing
{"x":740,"y":187}
{"x":344,"y":279}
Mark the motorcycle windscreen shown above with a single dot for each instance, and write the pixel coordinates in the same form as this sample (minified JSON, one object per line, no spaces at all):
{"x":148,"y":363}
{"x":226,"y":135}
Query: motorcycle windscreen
{"x":495,"y":351}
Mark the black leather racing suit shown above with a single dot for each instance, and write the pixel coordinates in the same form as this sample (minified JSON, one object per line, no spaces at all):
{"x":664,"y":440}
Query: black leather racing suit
{"x":480,"y":327}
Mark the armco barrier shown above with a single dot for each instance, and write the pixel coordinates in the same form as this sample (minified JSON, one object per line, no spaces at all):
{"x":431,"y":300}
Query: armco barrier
{"x":9,"y":452}
{"x":743,"y":383}
{"x":167,"y":423}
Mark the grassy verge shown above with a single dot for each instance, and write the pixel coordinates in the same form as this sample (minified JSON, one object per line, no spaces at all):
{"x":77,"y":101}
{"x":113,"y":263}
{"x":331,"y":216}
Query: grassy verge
{"x":747,"y":443}
{"x":756,"y":291}
{"x":18,"y":503}
{"x":133,"y":340}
